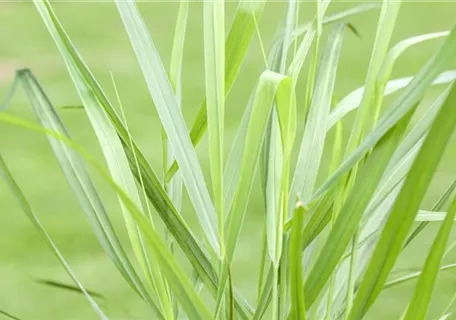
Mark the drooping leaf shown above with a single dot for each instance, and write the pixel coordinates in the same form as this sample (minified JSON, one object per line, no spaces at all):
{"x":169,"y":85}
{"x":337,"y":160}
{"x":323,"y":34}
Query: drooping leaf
{"x":25,"y":206}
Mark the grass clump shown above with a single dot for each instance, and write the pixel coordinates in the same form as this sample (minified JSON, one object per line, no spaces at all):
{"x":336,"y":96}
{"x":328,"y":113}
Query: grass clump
{"x":328,"y":249}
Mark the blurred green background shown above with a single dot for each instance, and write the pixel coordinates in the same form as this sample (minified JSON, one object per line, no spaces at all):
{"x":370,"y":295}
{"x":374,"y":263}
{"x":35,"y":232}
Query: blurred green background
{"x":97,"y":31}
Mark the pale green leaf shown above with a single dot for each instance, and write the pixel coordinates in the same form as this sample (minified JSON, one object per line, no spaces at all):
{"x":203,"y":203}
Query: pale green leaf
{"x":312,"y":143}
{"x":236,"y":46}
{"x":171,"y":118}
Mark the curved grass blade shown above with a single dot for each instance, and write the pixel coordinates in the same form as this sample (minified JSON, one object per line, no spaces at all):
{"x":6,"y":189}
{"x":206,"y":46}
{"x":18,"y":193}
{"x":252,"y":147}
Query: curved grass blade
{"x":353,"y":99}
{"x":25,"y":206}
{"x":405,"y":207}
{"x":177,"y":279}
{"x":388,"y":64}
{"x":404,"y":103}
{"x":385,"y":27}
{"x":430,"y":216}
{"x":154,"y":276}
{"x":398,"y":49}
{"x":81,"y":184}
{"x":171,"y":118}
{"x":413,"y":276}
{"x":421,"y":299}
{"x":107,"y":137}
{"x":386,"y":23}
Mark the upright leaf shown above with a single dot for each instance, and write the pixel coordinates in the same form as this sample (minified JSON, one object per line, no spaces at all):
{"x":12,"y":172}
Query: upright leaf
{"x":236,"y":46}
{"x":214,"y":56}
{"x":313,"y":139}
{"x":171,"y":118}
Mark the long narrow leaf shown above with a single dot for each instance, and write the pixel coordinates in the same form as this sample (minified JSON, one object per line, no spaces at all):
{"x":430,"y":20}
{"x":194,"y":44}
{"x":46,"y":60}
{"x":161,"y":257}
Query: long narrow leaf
{"x":82,"y":185}
{"x":311,"y":149}
{"x":405,"y":207}
{"x":421,"y":299}
{"x":404,"y":103}
{"x":347,"y":222}
{"x":236,"y":46}
{"x":171,"y":118}
{"x":25,"y":206}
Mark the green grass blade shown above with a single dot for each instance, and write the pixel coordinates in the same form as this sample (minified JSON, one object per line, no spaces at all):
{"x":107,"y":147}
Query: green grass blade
{"x":311,"y":148}
{"x":414,"y":275}
{"x":269,"y":84}
{"x":353,"y":99}
{"x":421,"y":299}
{"x":398,"y":49}
{"x":301,"y":54}
{"x":214,"y":66}
{"x":410,"y":96}
{"x":347,"y":223}
{"x":387,"y":20}
{"x":82,"y":185}
{"x":25,"y":206}
{"x":322,"y":5}
{"x":236,"y":46}
{"x":387,"y":67}
{"x":333,"y":18}
{"x":406,"y":207}
{"x":153,"y":273}
{"x":8,"y":315}
{"x":171,"y":118}
{"x":298,"y":307}
{"x":214,"y":55}
{"x":65,"y":286}
{"x":430,"y":216}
